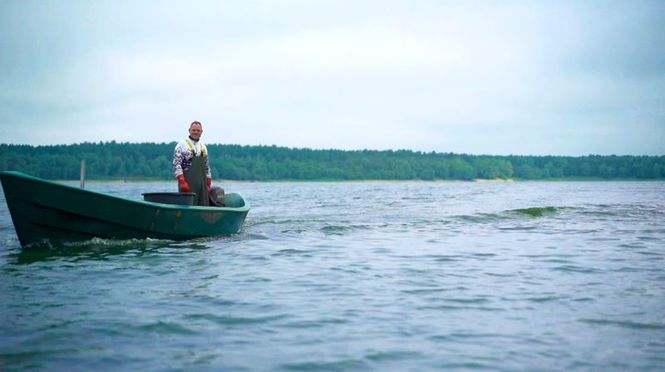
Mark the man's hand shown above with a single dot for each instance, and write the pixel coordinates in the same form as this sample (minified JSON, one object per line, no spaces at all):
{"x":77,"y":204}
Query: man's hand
{"x":209,"y":183}
{"x":183,"y":186}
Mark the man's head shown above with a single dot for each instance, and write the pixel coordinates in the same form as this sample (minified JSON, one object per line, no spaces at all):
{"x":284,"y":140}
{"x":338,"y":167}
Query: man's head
{"x":195,"y":130}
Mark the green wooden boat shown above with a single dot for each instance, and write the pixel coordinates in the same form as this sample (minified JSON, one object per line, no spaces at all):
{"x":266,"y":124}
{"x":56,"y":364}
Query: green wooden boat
{"x":44,"y":210}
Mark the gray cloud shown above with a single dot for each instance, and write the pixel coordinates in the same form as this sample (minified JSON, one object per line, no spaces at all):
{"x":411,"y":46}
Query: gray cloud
{"x":482,"y":77}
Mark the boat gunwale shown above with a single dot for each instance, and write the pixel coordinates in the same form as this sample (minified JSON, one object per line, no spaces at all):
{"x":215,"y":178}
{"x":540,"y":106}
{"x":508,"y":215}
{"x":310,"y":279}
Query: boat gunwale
{"x":30,"y":178}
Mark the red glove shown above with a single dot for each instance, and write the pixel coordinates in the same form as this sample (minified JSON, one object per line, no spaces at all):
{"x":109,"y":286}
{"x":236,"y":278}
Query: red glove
{"x":209,"y":182}
{"x":183,"y":186}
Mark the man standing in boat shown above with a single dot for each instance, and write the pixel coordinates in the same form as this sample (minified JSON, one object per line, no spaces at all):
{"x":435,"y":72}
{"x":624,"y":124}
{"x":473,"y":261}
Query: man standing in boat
{"x":191,"y":165}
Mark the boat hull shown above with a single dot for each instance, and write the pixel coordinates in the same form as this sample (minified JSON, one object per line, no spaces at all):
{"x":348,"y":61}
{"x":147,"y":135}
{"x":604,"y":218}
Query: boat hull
{"x":44,"y":210}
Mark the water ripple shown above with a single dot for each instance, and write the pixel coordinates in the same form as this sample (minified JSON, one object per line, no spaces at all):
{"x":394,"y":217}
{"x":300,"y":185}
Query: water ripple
{"x":358,"y":276}
{"x":625,"y":324}
{"x":229,"y":320}
{"x":167,"y":328}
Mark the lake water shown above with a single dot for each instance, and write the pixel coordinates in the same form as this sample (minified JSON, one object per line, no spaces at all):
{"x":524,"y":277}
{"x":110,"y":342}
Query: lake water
{"x":356,"y":276}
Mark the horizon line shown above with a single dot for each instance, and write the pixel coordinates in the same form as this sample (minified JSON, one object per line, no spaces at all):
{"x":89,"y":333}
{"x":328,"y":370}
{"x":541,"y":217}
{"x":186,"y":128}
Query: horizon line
{"x":329,"y":149}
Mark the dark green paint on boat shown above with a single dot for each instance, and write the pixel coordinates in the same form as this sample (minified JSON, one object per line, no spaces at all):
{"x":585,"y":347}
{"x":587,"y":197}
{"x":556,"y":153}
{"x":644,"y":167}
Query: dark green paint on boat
{"x":44,"y":210}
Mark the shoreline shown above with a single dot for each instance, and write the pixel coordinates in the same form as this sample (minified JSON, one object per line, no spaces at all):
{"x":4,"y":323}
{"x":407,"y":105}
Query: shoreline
{"x":475,"y":180}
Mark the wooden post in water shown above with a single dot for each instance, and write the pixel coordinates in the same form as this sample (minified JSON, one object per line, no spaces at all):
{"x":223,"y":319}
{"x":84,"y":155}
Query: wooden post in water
{"x":83,"y":173}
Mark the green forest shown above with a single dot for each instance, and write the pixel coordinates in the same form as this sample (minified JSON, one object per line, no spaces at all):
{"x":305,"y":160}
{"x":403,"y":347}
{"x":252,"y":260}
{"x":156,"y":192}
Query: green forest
{"x":113,"y":160}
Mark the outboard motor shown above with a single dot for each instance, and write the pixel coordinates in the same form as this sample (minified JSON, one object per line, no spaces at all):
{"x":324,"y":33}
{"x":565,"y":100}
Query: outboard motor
{"x":217,"y":197}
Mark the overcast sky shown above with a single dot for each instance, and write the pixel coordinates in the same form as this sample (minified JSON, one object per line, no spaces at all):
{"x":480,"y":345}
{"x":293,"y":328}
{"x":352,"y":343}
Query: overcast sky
{"x":482,"y":77}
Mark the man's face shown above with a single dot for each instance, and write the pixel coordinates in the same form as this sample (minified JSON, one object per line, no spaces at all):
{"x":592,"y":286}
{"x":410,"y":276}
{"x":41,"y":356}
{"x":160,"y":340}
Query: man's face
{"x":195,"y":131}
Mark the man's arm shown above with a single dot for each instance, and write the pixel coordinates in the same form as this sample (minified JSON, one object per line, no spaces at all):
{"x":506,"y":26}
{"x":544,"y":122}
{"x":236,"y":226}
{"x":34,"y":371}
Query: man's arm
{"x":178,"y":157}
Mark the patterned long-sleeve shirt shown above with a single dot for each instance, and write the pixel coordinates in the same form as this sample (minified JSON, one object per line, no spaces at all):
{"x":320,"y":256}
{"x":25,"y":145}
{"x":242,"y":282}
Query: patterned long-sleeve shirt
{"x":184,"y":151}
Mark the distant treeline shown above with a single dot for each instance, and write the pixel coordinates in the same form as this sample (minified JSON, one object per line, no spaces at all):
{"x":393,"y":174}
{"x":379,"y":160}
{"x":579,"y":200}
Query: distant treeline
{"x":112,"y":160}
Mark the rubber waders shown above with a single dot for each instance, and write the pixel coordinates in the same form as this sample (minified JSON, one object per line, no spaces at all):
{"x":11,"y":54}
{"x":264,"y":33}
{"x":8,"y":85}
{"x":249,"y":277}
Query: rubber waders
{"x":196,"y":177}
